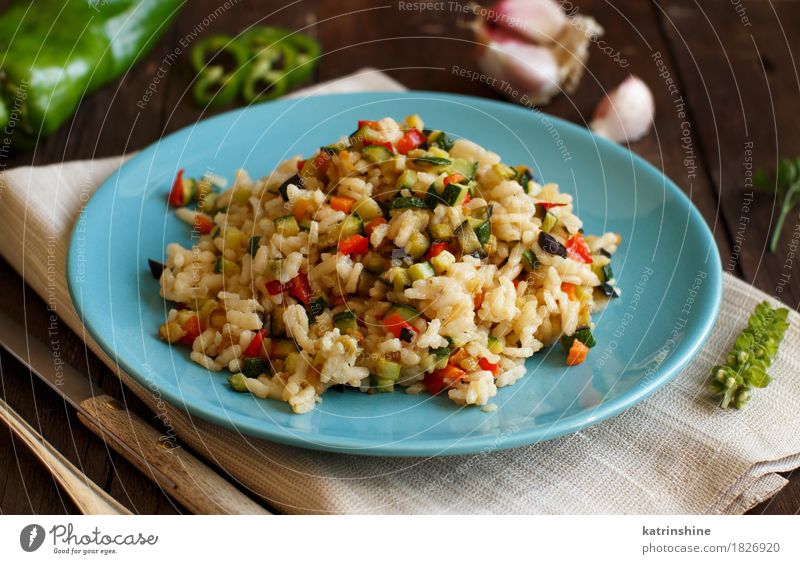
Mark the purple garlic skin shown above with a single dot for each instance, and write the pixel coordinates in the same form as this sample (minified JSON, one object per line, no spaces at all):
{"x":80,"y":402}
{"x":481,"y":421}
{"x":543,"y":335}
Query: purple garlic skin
{"x":626,"y":113}
{"x":533,"y":48}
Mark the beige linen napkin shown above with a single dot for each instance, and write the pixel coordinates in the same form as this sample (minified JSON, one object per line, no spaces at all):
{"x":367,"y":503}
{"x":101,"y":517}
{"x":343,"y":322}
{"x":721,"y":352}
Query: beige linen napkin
{"x":673,"y":453}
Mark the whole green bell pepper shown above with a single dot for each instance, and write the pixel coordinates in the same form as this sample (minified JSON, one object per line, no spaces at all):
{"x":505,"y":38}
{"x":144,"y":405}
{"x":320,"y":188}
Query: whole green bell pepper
{"x":55,"y":52}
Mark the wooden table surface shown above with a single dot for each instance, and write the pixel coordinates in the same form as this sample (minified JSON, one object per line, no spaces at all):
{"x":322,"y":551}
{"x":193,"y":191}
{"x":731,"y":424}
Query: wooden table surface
{"x":733,"y":64}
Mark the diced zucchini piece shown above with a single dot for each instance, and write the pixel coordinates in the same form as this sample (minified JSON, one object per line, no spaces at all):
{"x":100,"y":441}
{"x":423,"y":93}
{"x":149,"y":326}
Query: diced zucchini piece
{"x":418,"y":245}
{"x":362,"y":134}
{"x":454,"y":194}
{"x":387,"y":370}
{"x":366,"y":280}
{"x":524,"y":177}
{"x":374,"y":263}
{"x":406,"y":180}
{"x":429,"y":160}
{"x":441,"y":232}
{"x":293,"y":362}
{"x":442,"y":355}
{"x":442,"y":262}
{"x":345,"y":320}
{"x":483,"y":232}
{"x":252,"y":245}
{"x":305,"y":224}
{"x":376,"y":154}
{"x":583,"y":334}
{"x":398,"y":278}
{"x":504,"y":171}
{"x":253,"y":367}
{"x":403,"y":202}
{"x":238,"y":382}
{"x":483,"y":213}
{"x":549,"y":222}
{"x":406,"y":312}
{"x":495,"y":345}
{"x":439,"y":139}
{"x":334,"y":148}
{"x":608,"y":274}
{"x":226,"y":267}
{"x":465,"y":167}
{"x":421,"y":271}
{"x":434,"y":195}
{"x":383,"y":386}
{"x":287,"y":226}
{"x":277,"y":326}
{"x":367,"y":209}
{"x":281,"y":348}
{"x":352,"y":225}
{"x":529,"y":261}
{"x":470,"y":245}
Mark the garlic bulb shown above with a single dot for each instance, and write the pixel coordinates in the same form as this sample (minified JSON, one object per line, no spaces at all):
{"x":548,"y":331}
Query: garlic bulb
{"x":532,"y":49}
{"x":541,"y":21}
{"x":520,"y":65}
{"x":626,"y":113}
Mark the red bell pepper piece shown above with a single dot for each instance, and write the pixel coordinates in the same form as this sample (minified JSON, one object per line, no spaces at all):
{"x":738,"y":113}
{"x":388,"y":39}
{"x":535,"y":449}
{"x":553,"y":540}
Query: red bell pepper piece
{"x":203,"y":224}
{"x":367,"y":122}
{"x":299,"y":288}
{"x":412,"y":139}
{"x":192,"y":328}
{"x":578,"y":250}
{"x":274,"y":287}
{"x":436,"y":249}
{"x":548,"y":205}
{"x":395,"y":324}
{"x":254,"y":348}
{"x":354,"y":245}
{"x":437,"y":380}
{"x":486,"y":365}
{"x":300,"y":164}
{"x":381,"y":143}
{"x":467,"y":198}
{"x":176,"y":195}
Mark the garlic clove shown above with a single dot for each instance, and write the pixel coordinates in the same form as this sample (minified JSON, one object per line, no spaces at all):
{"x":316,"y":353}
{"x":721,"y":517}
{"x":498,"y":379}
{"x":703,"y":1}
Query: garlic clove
{"x":541,"y":21}
{"x":514,"y":65}
{"x":626,"y":113}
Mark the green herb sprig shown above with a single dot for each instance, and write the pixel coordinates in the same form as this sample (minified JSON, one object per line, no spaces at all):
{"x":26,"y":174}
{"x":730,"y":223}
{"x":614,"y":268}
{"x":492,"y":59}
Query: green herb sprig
{"x":786,"y":186}
{"x":746,"y":365}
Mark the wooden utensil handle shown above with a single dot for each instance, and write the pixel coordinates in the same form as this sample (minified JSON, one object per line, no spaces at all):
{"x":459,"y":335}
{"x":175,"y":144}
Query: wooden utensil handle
{"x":182,"y":476}
{"x":88,"y":497}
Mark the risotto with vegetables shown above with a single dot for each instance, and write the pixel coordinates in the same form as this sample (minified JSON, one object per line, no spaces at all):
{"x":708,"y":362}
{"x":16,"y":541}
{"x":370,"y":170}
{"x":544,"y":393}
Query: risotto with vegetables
{"x":394,"y":259}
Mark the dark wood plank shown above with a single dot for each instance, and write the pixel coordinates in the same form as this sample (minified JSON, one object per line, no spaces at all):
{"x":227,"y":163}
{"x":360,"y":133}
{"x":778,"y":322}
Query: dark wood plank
{"x":740,"y":74}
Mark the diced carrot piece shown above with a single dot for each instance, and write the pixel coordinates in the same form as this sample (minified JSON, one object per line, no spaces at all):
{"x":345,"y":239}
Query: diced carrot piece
{"x":569,"y":290}
{"x":577,"y":353}
{"x":370,"y":227}
{"x":478,"y":300}
{"x":342,"y":203}
{"x":454,"y":178}
{"x":301,"y":208}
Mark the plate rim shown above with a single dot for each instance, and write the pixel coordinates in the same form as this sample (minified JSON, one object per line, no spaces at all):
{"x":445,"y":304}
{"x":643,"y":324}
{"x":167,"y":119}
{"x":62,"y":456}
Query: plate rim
{"x":434,"y":447}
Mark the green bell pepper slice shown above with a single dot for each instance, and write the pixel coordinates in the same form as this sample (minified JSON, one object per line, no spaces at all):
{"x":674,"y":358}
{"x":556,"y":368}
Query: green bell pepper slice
{"x":55,"y":52}
{"x":219,"y":61}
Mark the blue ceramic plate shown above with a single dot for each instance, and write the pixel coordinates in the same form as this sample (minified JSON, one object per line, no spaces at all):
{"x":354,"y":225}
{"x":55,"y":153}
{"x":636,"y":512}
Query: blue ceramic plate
{"x":667,"y":266}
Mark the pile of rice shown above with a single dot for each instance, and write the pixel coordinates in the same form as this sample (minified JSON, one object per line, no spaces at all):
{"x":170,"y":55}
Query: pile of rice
{"x":478,"y":317}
